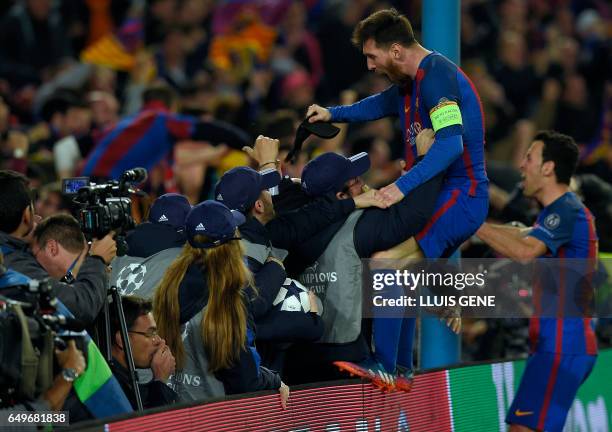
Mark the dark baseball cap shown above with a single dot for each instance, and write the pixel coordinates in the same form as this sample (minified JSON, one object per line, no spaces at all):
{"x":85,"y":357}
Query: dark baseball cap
{"x":330,"y":171}
{"x":170,"y":209}
{"x":214,"y":220}
{"x":305,"y":129}
{"x":240,"y":187}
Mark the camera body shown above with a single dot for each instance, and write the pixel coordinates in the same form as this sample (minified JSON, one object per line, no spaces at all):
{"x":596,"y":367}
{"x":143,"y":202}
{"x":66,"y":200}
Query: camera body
{"x":29,"y":324}
{"x":101,"y":208}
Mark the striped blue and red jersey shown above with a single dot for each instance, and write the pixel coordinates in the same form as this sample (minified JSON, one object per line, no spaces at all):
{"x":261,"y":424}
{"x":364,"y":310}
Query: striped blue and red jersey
{"x":567,"y":228}
{"x":145,"y":139}
{"x":141,"y":140}
{"x":438,"y":80}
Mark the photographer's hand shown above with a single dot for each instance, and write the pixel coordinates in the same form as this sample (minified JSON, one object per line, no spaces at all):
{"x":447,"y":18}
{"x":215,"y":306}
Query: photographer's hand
{"x":105,"y":248}
{"x":71,"y":358}
{"x":163,"y":363}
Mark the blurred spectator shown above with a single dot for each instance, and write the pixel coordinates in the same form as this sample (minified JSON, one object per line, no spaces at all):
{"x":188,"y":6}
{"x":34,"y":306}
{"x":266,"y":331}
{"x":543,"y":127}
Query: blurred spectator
{"x":576,"y":113}
{"x":344,"y":65}
{"x":159,"y":16}
{"x":52,"y":201}
{"x":34,"y":42}
{"x":515,"y":75}
{"x":147,"y":138}
{"x":298,"y":46}
{"x":104,"y":109}
{"x":149,"y":351}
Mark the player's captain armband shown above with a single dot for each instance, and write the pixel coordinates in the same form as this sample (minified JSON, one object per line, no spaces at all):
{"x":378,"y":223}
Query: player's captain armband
{"x":445,"y":114}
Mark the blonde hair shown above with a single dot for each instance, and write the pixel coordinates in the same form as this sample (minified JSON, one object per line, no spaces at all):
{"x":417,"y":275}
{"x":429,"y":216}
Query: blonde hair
{"x":224,"y":325}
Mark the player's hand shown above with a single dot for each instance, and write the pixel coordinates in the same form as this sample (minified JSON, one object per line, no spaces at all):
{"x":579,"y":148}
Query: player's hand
{"x":371,"y":198}
{"x":424,"y":140}
{"x":105,"y":248}
{"x":391,"y":194}
{"x":284,"y":394}
{"x":318,"y":113}
{"x":265,"y":150}
{"x":163,"y":363}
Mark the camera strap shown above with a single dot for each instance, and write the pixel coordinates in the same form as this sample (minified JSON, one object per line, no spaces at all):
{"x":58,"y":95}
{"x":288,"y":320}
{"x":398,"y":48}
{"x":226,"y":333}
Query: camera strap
{"x":44,"y":379}
{"x":69,"y":277}
{"x":29,"y":359}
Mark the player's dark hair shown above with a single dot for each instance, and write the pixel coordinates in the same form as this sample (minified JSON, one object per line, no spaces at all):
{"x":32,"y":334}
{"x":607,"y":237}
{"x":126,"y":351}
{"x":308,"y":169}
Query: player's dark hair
{"x":159,"y":93}
{"x":385,"y":27}
{"x":14,"y":199}
{"x":133,"y":307}
{"x":62,"y":228}
{"x":562,"y":150}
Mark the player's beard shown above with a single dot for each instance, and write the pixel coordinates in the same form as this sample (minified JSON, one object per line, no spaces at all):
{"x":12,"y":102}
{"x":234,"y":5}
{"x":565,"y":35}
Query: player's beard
{"x":395,"y":75}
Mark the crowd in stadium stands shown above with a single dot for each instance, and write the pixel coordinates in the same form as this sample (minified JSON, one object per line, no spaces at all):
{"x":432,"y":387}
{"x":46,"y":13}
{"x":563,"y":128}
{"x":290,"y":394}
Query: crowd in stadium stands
{"x":180,"y":86}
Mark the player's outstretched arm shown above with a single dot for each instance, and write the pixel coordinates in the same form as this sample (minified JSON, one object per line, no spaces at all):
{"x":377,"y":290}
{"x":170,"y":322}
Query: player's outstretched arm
{"x":511,"y":242}
{"x":377,"y":106}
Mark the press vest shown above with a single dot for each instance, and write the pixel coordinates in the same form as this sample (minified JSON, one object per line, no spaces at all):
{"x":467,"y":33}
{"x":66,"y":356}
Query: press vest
{"x":336,"y":279}
{"x":141,"y":276}
{"x":194,"y":382}
{"x":260,"y":252}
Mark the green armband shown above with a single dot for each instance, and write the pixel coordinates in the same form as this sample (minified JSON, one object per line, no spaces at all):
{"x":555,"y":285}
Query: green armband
{"x":445,"y":114}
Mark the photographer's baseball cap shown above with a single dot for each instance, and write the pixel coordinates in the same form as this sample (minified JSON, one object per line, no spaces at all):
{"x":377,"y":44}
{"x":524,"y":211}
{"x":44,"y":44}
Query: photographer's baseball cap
{"x":214,"y":220}
{"x":330,"y":171}
{"x":170,"y":209}
{"x":240,"y":187}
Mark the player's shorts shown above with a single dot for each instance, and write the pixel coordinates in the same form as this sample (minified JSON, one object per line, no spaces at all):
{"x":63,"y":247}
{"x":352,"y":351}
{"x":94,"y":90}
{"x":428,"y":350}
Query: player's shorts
{"x":456,"y":219}
{"x":547,"y":390}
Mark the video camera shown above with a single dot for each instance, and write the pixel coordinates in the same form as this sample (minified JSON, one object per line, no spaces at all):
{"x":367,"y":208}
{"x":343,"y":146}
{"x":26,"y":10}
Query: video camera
{"x":29,"y":324}
{"x":101,"y":208}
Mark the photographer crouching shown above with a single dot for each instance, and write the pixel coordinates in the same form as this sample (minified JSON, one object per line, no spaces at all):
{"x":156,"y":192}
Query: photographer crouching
{"x":85,"y":295}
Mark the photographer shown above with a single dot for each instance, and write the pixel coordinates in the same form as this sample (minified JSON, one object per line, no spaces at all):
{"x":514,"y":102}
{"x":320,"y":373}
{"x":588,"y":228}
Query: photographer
{"x":59,"y":247}
{"x":149,"y":351}
{"x":85,"y":296}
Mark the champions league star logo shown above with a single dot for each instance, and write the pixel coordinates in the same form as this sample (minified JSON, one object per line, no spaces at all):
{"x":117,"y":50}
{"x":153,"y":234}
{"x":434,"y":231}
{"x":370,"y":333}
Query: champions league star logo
{"x":552,"y":221}
{"x":131,"y":278}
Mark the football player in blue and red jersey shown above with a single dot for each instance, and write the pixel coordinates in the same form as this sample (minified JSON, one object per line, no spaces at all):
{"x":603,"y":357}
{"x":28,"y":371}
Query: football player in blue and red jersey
{"x":563,"y":345}
{"x":428,"y":92}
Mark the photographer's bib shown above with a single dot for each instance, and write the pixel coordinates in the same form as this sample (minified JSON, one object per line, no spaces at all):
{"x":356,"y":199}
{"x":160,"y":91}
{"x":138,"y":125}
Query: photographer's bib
{"x":335,"y":277}
{"x":141,"y":276}
{"x":194,"y":382}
